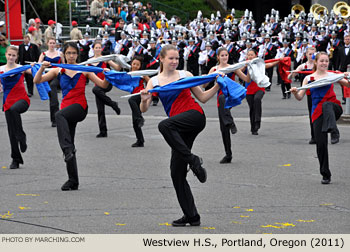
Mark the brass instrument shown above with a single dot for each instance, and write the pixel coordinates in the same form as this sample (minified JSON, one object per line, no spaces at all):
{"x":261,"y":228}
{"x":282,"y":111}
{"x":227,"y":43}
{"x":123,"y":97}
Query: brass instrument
{"x":341,"y":8}
{"x":313,"y":7}
{"x":339,"y":23}
{"x":229,"y":16}
{"x":297,"y":8}
{"x":331,"y":50}
{"x":320,"y":12}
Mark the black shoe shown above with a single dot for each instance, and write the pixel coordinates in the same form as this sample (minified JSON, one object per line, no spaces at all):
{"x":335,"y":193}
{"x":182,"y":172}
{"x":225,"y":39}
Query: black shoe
{"x":312,"y":141}
{"x":116,"y":108}
{"x":198,"y":170}
{"x":284,"y":97}
{"x":326,"y":181}
{"x":225,"y":160}
{"x":101,"y":134}
{"x":30,"y":95}
{"x":69,"y":156}
{"x":53,"y":125}
{"x":255,"y":133}
{"x":155,"y":103}
{"x":288,"y":95}
{"x":137,"y":144}
{"x":23,"y":145}
{"x":14,"y":165}
{"x":69,"y":186}
{"x":194,"y":221}
{"x":335,"y":140}
{"x":233,"y":129}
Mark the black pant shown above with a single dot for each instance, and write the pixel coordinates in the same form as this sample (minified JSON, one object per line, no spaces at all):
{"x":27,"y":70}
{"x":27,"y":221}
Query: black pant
{"x":254,"y":102}
{"x":269,"y":73}
{"x":180,"y":132}
{"x":324,"y":124}
{"x":137,"y":118}
{"x":29,"y":81}
{"x":15,"y":129}
{"x":226,"y":122}
{"x":284,"y":86}
{"x":67,"y":120}
{"x":101,"y":100}
{"x":54,"y":103}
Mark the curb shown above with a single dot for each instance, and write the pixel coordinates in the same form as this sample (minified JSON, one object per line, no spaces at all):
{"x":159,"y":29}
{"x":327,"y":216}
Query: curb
{"x":344,"y":119}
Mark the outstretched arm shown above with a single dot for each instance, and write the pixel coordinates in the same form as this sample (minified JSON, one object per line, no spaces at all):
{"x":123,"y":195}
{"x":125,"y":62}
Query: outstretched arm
{"x":243,"y":76}
{"x":46,"y":77}
{"x":345,"y":82}
{"x":203,"y":96}
{"x":95,"y":79}
{"x":291,"y":75}
{"x":271,"y":64}
{"x":114,"y":65}
{"x":299,"y":94}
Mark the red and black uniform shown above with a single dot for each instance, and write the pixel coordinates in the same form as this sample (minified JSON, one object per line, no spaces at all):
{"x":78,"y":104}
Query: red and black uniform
{"x":73,"y":110}
{"x":254,"y":97}
{"x":153,"y":59}
{"x":270,"y":53}
{"x":335,"y":133}
{"x":54,"y":85}
{"x":137,"y":118}
{"x":326,"y":110}
{"x":186,"y":120}
{"x":102,"y":99}
{"x":210,"y":62}
{"x":15,"y":102}
{"x":192,"y":59}
{"x":126,"y":44}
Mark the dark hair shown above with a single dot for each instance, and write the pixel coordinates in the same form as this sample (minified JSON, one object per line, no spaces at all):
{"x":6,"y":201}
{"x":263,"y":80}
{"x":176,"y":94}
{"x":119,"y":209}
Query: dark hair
{"x":318,"y":55}
{"x":163,"y":53}
{"x":139,"y":58}
{"x":221,"y":49}
{"x":70,"y":44}
{"x":96,"y":43}
{"x":253,"y":50}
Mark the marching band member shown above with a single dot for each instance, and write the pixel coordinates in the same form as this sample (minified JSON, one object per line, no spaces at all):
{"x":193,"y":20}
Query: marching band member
{"x":16,"y":102}
{"x":326,"y":110}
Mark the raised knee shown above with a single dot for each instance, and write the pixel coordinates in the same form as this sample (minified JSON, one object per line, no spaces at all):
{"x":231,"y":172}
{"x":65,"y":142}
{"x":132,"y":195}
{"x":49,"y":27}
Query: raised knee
{"x":95,"y":89}
{"x":162,"y":126}
{"x":58,"y":115}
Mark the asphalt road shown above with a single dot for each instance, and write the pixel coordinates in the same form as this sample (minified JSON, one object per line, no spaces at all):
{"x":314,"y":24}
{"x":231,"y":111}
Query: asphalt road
{"x":271,"y":186}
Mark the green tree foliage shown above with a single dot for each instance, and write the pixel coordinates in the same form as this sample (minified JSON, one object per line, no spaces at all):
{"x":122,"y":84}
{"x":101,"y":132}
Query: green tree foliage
{"x":182,"y":8}
{"x":46,"y":10}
